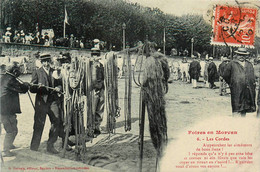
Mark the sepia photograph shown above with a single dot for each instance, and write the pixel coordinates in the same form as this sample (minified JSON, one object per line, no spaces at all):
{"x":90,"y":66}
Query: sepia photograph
{"x":130,"y":85}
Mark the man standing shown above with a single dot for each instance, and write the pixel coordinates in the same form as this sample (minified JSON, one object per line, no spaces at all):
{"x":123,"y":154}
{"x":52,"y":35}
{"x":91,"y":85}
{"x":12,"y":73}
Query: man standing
{"x":206,"y":75}
{"x":212,"y":73}
{"x":239,"y":74}
{"x":10,"y":104}
{"x":45,"y":103}
{"x":223,"y":84}
{"x":194,"y":71}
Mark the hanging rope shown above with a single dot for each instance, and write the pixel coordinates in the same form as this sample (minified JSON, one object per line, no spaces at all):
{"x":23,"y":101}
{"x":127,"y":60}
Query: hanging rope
{"x":111,"y":91}
{"x":153,"y":87}
{"x":89,"y":96}
{"x":128,"y":90}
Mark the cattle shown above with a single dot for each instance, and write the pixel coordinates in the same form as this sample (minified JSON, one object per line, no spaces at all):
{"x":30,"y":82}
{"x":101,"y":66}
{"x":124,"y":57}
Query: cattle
{"x":184,"y":69}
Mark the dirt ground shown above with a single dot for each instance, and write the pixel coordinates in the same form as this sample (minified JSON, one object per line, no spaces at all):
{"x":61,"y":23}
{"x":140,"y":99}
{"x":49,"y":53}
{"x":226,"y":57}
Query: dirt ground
{"x":186,"y":108}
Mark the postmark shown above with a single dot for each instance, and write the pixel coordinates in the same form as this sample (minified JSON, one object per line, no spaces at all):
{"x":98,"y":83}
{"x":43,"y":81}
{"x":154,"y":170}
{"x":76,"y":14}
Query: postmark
{"x":234,"y":26}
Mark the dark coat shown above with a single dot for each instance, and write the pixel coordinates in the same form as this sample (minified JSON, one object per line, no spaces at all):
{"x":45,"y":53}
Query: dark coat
{"x":10,"y":89}
{"x":212,"y":72}
{"x":194,"y":70}
{"x":241,"y":81}
{"x":221,"y":68}
{"x":44,"y":94}
{"x":98,"y":76}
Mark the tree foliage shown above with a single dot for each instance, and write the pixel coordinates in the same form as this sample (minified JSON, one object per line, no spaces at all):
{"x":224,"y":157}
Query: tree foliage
{"x":103,"y":19}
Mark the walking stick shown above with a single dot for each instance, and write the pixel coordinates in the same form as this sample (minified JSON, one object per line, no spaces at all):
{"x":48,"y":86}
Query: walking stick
{"x":2,"y":159}
{"x":31,"y":100}
{"x":141,"y":124}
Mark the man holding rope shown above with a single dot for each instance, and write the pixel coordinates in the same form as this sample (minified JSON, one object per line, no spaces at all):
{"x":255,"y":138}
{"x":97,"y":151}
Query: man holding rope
{"x":10,"y":104}
{"x":46,"y":102}
{"x":98,"y":86}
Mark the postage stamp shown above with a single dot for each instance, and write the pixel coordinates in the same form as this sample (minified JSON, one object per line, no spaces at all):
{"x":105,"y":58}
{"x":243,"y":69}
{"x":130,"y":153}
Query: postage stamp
{"x":234,"y":26}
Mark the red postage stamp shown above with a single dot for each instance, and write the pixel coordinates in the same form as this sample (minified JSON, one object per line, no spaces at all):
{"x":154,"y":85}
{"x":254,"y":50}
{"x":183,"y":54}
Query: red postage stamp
{"x":234,"y":26}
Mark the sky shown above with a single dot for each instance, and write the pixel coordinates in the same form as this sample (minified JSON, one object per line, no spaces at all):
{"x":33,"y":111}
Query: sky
{"x":180,"y":7}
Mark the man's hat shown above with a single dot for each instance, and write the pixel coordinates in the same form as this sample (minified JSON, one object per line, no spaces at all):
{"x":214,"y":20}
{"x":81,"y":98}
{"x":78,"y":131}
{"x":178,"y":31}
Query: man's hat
{"x":242,"y":51}
{"x":194,"y":56}
{"x":8,"y":28}
{"x":210,"y":58}
{"x":45,"y":56}
{"x":96,"y":40}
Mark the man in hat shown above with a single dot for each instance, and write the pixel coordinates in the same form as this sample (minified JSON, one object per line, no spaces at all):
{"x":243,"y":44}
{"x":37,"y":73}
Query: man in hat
{"x":99,"y":88}
{"x":239,"y":74}
{"x":194,"y":71}
{"x":212,"y":73}
{"x":10,"y":104}
{"x":45,"y":103}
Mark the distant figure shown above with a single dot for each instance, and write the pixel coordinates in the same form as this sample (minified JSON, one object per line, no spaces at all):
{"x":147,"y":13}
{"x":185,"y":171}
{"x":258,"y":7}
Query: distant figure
{"x":96,"y":43}
{"x":223,"y":83}
{"x":212,"y":73}
{"x":71,"y":41}
{"x":46,"y":39}
{"x":8,"y":35}
{"x":22,"y":37}
{"x":194,"y":71}
{"x":28,"y":38}
{"x":81,"y":44}
{"x":239,"y":74}
{"x":184,"y":67}
{"x":25,"y":62}
{"x":205,"y":76}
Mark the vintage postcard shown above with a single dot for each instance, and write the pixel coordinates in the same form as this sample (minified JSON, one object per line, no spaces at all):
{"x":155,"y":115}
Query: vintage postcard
{"x":130,"y":85}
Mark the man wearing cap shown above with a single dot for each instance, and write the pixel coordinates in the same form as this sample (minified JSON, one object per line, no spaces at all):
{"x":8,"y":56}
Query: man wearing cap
{"x":10,"y":104}
{"x":212,"y":73}
{"x":45,"y":103}
{"x":194,"y":71}
{"x":239,"y":74}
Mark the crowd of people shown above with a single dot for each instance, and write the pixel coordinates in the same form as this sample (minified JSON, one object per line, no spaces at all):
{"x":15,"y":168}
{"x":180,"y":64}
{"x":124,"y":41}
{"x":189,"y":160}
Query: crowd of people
{"x":47,"y":84}
{"x":240,"y":74}
{"x":45,"y":39}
